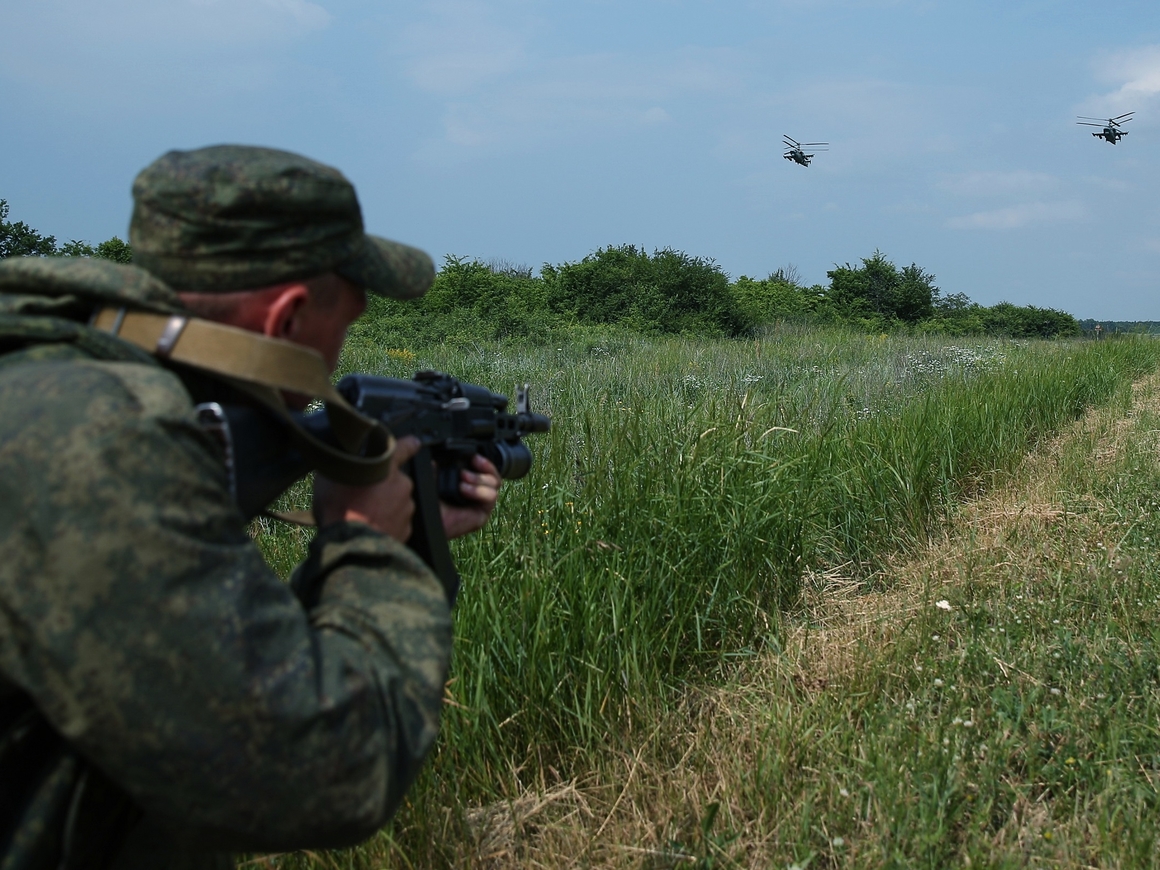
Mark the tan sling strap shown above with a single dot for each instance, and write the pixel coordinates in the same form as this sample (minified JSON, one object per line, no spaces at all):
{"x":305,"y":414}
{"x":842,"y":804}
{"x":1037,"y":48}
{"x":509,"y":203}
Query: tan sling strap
{"x":262,"y":367}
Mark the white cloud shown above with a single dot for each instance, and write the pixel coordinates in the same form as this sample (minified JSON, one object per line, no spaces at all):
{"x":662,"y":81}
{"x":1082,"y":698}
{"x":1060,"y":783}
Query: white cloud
{"x":1105,"y":185}
{"x":217,"y":21}
{"x":65,"y":51}
{"x":504,"y":83}
{"x":176,"y":24}
{"x":655,"y":115}
{"x":1135,"y":73}
{"x":1019,"y":216}
{"x":551,"y":98}
{"x":868,"y":122}
{"x":459,"y":48}
{"x":309,"y":15}
{"x":1018,"y":183}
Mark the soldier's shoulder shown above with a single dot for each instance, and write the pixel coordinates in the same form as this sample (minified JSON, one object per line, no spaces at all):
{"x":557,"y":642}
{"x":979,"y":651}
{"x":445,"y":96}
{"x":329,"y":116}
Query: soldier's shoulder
{"x":68,"y":286}
{"x":47,"y":397}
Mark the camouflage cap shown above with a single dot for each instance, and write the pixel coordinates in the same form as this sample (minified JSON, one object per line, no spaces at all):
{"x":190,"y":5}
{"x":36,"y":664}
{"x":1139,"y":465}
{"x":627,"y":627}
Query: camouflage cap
{"x":235,"y":217}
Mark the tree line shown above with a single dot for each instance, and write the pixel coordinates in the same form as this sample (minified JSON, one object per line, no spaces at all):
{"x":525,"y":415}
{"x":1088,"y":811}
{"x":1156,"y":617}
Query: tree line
{"x":18,"y":239}
{"x":665,"y":292}
{"x":1111,"y":327}
{"x":671,"y":292}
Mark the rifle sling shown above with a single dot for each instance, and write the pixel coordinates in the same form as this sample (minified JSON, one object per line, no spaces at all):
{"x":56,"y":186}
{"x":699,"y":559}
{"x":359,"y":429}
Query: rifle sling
{"x":263,"y":367}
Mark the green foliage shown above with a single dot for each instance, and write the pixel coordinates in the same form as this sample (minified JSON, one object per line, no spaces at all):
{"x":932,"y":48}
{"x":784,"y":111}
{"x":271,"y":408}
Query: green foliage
{"x":776,"y":298}
{"x":620,"y":287}
{"x":1130,"y":327}
{"x":17,"y":239}
{"x":469,"y":302}
{"x":1027,"y":321}
{"x":879,"y":290}
{"x":1003,"y":319}
{"x":624,"y":287}
{"x":509,"y":300}
{"x":667,"y":292}
{"x":878,"y":296}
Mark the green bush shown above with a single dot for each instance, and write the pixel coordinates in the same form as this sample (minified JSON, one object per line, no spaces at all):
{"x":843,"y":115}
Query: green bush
{"x":624,"y":288}
{"x":470,"y":301}
{"x":18,"y":239}
{"x":879,"y":290}
{"x":667,"y":292}
{"x":506,"y":303}
{"x":1027,"y":321}
{"x":879,"y":297}
{"x":775,"y":298}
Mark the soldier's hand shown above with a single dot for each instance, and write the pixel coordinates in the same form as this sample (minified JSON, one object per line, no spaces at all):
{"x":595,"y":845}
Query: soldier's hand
{"x":482,"y":487}
{"x":386,"y":506}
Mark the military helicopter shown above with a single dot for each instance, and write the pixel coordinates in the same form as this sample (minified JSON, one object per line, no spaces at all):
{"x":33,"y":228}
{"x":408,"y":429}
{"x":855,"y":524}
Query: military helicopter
{"x":1111,"y":132}
{"x":795,"y":150}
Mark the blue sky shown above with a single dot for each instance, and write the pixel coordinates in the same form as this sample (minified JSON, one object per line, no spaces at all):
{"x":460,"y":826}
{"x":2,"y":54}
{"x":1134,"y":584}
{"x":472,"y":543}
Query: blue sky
{"x":539,"y":131}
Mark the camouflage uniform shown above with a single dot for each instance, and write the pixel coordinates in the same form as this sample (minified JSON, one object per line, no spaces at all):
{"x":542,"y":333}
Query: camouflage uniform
{"x":165,"y":699}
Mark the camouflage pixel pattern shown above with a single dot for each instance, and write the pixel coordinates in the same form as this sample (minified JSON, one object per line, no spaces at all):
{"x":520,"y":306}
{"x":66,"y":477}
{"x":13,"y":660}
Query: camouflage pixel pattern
{"x":236,"y":217}
{"x":200,"y":706}
{"x":70,"y":286}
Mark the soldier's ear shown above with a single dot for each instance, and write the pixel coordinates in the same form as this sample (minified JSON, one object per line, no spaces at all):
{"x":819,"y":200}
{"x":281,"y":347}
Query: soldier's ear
{"x":285,"y":311}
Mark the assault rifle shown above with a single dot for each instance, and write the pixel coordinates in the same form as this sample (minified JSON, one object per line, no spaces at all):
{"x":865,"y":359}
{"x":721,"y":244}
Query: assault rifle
{"x":453,"y":420}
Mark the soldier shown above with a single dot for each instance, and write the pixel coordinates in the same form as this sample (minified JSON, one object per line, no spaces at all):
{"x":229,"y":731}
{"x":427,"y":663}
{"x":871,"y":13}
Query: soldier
{"x":165,"y":700}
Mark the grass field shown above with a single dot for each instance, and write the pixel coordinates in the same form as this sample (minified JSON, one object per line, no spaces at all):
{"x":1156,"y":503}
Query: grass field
{"x":701,"y":632}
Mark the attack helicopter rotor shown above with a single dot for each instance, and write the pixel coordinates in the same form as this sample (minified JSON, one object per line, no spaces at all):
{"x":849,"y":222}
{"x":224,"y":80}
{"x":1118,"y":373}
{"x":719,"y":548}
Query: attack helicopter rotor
{"x":796,"y":151}
{"x":1111,"y":131}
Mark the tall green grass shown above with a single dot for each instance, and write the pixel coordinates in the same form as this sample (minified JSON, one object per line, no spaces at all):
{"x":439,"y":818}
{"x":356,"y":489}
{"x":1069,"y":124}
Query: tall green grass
{"x":683,"y":493}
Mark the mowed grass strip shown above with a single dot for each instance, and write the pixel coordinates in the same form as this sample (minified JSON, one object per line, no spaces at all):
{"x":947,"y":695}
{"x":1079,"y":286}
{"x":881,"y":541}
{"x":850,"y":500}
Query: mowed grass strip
{"x":686,"y":493}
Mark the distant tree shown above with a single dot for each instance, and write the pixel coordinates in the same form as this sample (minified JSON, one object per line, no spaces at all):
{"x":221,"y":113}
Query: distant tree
{"x":878,"y":289}
{"x":953,"y":303}
{"x":1028,"y":321}
{"x":787,"y":274}
{"x":1110,"y":327}
{"x":668,"y":291}
{"x":913,"y":297}
{"x":114,"y":249}
{"x":775,"y":298}
{"x":502,"y":266}
{"x":500,"y":301}
{"x":18,"y":239}
{"x":75,"y":248}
